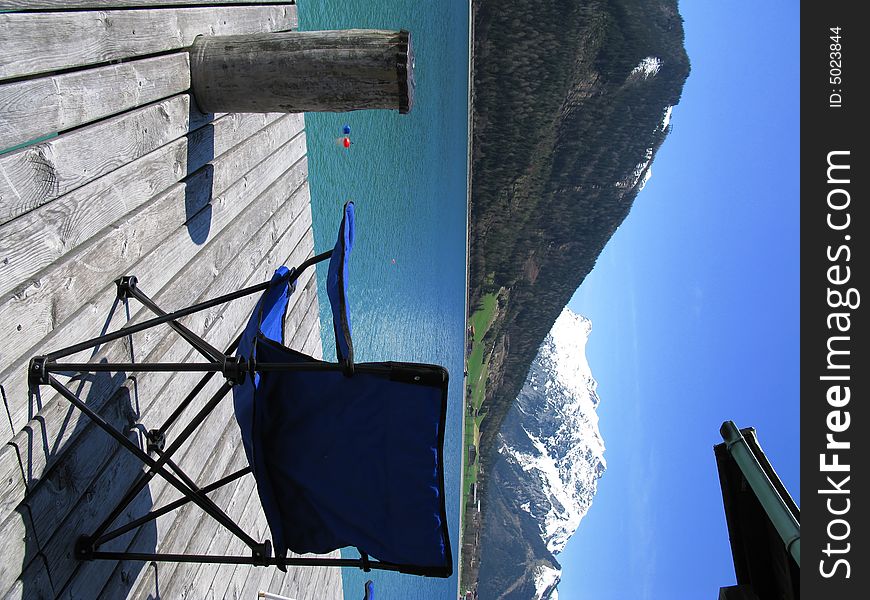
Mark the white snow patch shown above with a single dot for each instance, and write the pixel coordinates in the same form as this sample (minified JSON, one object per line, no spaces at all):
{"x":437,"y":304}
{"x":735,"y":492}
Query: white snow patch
{"x":647,"y":174}
{"x":667,"y":118}
{"x":545,"y":578}
{"x":648,"y":67}
{"x":567,"y":457}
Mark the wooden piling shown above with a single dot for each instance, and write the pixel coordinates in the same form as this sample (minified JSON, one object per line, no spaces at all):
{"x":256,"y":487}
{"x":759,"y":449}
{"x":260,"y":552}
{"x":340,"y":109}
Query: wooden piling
{"x":332,"y":71}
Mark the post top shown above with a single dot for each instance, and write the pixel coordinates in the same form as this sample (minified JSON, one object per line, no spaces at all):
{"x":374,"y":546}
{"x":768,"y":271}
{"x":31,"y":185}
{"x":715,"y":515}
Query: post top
{"x":405,"y":65}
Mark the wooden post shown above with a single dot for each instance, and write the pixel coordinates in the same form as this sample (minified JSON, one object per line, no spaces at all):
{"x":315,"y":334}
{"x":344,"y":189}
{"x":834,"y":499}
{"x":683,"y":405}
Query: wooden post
{"x":332,"y":71}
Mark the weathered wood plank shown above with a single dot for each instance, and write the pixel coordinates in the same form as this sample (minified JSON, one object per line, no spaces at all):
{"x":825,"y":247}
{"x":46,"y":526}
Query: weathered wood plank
{"x":38,"y":441}
{"x":310,"y":334}
{"x":211,"y":538}
{"x":69,"y":4}
{"x":35,"y":107}
{"x":146,"y":387}
{"x":15,"y":521}
{"x":53,"y":498}
{"x":127,"y":576}
{"x":33,"y":584}
{"x":11,"y":480}
{"x":210,"y":266}
{"x":38,"y":174}
{"x":183,"y":526}
{"x":206,"y":574}
{"x":86,"y":580}
{"x":229,"y":583}
{"x":18,"y":546}
{"x":36,"y":307}
{"x":56,"y":425}
{"x":169,"y":540}
{"x":33,"y":241}
{"x":209,"y":455}
{"x":42,"y":42}
{"x":179,"y":526}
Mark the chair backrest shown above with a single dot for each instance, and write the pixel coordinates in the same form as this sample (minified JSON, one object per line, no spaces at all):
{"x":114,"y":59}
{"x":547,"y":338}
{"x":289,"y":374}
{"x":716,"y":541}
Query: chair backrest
{"x":336,"y":287}
{"x":344,"y":454}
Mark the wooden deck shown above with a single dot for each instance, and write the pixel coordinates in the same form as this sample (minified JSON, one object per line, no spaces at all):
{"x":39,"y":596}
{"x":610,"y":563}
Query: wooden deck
{"x":131,"y":178}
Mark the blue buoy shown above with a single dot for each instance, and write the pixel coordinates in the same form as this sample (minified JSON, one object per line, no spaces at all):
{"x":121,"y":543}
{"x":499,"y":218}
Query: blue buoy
{"x":346,"y":129}
{"x":370,"y":590}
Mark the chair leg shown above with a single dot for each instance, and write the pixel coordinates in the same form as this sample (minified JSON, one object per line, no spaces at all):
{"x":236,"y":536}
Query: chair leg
{"x":154,"y":514}
{"x":156,"y":466}
{"x":131,"y":290}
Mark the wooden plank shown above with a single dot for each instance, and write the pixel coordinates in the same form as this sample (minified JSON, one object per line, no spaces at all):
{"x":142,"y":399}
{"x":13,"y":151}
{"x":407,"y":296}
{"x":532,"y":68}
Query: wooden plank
{"x":206,"y":574}
{"x":18,"y":546}
{"x":42,"y":42}
{"x":35,"y":308}
{"x":56,"y":425}
{"x":211,"y":538}
{"x":165,"y":405}
{"x":140,"y":380}
{"x":38,"y":441}
{"x":35,"y":175}
{"x":35,"y":107}
{"x":310,"y":338}
{"x":315,"y":341}
{"x":59,"y":549}
{"x":178,"y":527}
{"x":127,"y":575}
{"x":11,"y":480}
{"x":16,"y":525}
{"x":33,"y":583}
{"x":51,"y":501}
{"x":186,"y":524}
{"x":69,"y":4}
{"x":82,"y":584}
{"x":33,"y":241}
{"x":229,"y":583}
{"x":85,"y":580}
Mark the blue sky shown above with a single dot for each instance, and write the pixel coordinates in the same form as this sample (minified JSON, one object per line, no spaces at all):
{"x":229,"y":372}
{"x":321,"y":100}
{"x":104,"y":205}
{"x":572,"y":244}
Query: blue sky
{"x":695,"y":308}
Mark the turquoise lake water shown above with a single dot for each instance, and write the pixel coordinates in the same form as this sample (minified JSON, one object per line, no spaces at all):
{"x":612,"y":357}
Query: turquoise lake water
{"x":407,"y":175}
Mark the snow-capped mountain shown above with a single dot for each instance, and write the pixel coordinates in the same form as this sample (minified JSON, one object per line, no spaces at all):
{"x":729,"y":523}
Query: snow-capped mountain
{"x":551,"y":457}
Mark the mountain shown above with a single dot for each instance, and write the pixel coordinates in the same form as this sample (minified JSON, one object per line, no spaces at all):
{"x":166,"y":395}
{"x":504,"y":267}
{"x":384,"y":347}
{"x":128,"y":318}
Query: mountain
{"x":542,"y":482}
{"x":571,"y":101}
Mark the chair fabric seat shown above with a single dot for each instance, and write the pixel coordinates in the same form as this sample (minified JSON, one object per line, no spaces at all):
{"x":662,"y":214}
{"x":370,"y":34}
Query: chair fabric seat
{"x":344,"y":460}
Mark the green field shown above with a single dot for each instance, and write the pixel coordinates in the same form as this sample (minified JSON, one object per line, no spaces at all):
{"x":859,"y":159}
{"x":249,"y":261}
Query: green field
{"x":476,"y":381}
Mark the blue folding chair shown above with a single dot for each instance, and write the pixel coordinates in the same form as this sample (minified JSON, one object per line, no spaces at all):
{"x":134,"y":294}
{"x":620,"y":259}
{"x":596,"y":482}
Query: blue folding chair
{"x":344,"y":454}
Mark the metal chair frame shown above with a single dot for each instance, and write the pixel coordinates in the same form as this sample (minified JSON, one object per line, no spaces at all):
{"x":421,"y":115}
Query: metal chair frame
{"x":234,"y":370}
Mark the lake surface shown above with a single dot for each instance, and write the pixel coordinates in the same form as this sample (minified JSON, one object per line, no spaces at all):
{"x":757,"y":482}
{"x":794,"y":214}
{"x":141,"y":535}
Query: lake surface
{"x":407,"y":175}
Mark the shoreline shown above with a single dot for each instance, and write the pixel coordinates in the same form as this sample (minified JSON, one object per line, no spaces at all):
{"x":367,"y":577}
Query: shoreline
{"x":470,"y":83}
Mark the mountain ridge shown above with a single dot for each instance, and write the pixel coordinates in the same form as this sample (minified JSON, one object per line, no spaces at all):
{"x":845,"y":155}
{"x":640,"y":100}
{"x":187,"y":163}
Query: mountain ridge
{"x":550,"y":458}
